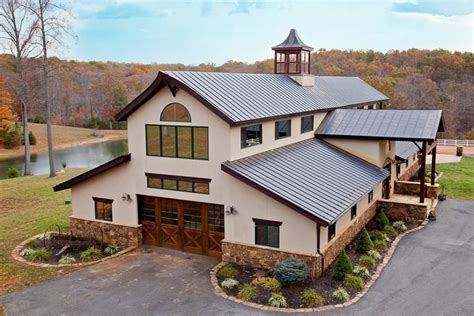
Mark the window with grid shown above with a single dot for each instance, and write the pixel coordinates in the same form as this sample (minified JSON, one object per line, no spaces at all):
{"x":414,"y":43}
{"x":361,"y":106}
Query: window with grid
{"x":215,"y":218}
{"x":169,"y":212}
{"x":183,"y":184}
{"x":146,"y":209}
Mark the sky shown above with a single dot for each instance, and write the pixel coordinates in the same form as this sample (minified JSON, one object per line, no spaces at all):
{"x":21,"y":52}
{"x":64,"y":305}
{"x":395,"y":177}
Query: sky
{"x":194,"y":32}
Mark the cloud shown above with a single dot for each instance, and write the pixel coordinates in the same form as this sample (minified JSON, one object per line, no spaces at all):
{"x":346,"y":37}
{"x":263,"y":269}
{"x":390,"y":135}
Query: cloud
{"x":244,"y":6}
{"x":436,"y":8}
{"x":466,"y":20}
{"x":206,"y":9}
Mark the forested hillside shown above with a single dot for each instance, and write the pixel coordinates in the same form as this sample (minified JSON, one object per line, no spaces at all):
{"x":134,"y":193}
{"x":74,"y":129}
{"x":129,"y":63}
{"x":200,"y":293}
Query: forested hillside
{"x":90,"y":93}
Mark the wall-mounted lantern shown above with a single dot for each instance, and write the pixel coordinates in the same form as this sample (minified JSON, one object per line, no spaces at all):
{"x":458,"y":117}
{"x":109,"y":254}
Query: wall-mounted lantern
{"x":231,"y":210}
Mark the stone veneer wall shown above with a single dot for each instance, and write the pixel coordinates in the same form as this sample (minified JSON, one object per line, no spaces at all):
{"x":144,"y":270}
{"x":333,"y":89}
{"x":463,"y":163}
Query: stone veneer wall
{"x":341,"y":241}
{"x":407,"y":212}
{"x":125,"y":236}
{"x":411,"y":171}
{"x":413,"y":188}
{"x":266,"y":258}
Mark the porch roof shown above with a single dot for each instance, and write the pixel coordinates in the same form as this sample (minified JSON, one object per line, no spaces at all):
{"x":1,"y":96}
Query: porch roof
{"x":312,"y":177}
{"x":403,"y":150}
{"x":408,"y":125}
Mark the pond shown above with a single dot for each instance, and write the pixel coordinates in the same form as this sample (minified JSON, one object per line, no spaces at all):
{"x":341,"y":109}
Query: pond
{"x":84,"y":156}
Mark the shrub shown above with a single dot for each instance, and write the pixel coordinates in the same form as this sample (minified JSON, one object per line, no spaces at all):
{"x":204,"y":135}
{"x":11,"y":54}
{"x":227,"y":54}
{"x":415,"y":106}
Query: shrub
{"x":269,"y":284}
{"x":374,"y":254}
{"x":91,"y":253}
{"x":12,"y":137}
{"x":248,"y":292}
{"x":367,"y":261}
{"x":291,"y":271}
{"x":390,"y":231}
{"x":26,"y":252}
{"x":32,"y":138}
{"x":340,"y":295}
{"x":365,"y":243}
{"x":399,"y":226}
{"x":64,"y":164}
{"x":277,"y":300}
{"x":377,"y":235}
{"x":42,"y":254}
{"x":380,"y":244}
{"x":13,"y":172}
{"x":342,"y":266}
{"x":353,"y":283}
{"x":229,"y":283}
{"x":381,"y":220}
{"x":111,"y":249}
{"x":39,"y":119}
{"x":67,"y":260}
{"x":310,"y":298}
{"x":228,"y":271}
{"x":361,"y":271}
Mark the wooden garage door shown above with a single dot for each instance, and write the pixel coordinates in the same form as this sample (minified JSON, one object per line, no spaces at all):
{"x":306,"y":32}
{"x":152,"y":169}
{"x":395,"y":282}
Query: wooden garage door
{"x":184,"y":225}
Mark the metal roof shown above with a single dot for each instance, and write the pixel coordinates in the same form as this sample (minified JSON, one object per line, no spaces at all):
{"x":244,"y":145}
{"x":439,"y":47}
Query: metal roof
{"x":292,"y":41}
{"x":243,"y":97}
{"x":403,"y":150}
{"x":311,"y":176}
{"x":416,"y":125}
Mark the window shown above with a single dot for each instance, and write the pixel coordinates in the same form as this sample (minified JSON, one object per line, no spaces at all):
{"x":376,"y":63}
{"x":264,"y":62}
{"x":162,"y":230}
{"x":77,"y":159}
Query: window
{"x":175,"y":112}
{"x":103,"y":209}
{"x":406,"y":163}
{"x":305,"y":62}
{"x":354,"y":211}
{"x":280,"y":62}
{"x":331,"y":231}
{"x":414,"y":157}
{"x":267,"y":233}
{"x":146,"y":209}
{"x":282,"y":129}
{"x":371,"y":107}
{"x":293,"y":63}
{"x":398,"y":169}
{"x":307,"y":124}
{"x":215,"y":218}
{"x":251,"y":135}
{"x":178,"y":183}
{"x":177,"y":141}
{"x":371,"y":196}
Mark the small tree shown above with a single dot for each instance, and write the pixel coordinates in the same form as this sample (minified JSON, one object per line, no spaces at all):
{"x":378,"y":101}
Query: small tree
{"x":32,"y":138}
{"x":291,"y":270}
{"x":382,"y":219}
{"x":342,"y":266}
{"x":12,"y":138}
{"x":365,"y":243}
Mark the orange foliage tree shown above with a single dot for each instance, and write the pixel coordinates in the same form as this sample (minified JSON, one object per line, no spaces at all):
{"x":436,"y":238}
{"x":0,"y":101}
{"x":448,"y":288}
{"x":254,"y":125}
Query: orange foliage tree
{"x":6,"y":113}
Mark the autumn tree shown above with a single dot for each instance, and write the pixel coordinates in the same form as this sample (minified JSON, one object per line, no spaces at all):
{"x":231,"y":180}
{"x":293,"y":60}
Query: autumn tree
{"x":6,"y":113}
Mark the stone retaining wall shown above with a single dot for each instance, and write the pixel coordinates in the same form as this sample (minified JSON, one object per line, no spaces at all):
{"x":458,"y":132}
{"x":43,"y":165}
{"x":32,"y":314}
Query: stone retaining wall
{"x":404,"y":211}
{"x":125,"y":236}
{"x":266,"y":258}
{"x":413,"y":188}
{"x":341,"y":242}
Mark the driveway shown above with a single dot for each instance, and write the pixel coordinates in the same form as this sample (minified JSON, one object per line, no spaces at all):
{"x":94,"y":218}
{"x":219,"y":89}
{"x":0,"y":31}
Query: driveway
{"x":431,"y":273}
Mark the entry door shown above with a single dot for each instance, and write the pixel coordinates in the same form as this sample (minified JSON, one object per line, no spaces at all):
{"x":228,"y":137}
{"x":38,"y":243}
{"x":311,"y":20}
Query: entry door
{"x":147,"y":218}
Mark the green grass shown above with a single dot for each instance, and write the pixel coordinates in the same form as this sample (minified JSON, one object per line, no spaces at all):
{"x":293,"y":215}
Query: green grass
{"x":458,"y":178}
{"x":29,"y":207}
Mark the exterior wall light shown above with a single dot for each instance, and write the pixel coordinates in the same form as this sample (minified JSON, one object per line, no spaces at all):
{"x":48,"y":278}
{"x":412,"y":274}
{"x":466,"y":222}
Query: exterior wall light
{"x":126,"y":197}
{"x":231,"y":210}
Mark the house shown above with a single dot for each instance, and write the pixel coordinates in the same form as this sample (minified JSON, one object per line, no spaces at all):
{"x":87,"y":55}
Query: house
{"x":253,"y":168}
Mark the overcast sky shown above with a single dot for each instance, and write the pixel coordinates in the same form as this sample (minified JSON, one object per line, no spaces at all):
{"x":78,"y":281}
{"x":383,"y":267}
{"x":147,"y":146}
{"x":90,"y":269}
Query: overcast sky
{"x":194,"y":32}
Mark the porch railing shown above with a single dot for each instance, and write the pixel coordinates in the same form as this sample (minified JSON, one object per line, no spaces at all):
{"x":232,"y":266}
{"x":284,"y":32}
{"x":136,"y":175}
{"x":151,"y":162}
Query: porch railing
{"x":455,"y":142}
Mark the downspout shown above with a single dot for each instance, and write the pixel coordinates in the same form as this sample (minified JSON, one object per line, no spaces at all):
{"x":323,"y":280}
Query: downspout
{"x":318,"y":252}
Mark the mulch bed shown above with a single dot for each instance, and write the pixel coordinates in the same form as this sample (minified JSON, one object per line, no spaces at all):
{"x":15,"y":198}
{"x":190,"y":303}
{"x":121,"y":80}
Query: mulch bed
{"x":56,"y":242}
{"x":325,"y":285}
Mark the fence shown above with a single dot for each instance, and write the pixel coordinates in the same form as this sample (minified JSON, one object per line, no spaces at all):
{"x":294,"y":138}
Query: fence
{"x":455,"y":142}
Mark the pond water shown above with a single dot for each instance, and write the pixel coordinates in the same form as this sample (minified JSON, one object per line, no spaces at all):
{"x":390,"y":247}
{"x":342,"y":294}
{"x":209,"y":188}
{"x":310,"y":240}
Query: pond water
{"x":84,"y":156}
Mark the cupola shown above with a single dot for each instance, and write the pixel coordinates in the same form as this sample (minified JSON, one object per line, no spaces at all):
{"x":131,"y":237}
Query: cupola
{"x":292,"y":56}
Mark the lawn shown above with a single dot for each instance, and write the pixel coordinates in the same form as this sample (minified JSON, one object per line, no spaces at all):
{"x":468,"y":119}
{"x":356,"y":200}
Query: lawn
{"x":458,"y":178}
{"x":29,"y":207}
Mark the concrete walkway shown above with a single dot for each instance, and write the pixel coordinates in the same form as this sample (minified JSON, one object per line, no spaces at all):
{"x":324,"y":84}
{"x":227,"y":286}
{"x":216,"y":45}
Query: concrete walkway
{"x":440,"y":158}
{"x":431,"y":273}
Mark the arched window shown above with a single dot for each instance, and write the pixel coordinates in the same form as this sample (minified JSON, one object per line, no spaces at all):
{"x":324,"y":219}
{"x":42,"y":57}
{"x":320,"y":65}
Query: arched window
{"x":175,"y":112}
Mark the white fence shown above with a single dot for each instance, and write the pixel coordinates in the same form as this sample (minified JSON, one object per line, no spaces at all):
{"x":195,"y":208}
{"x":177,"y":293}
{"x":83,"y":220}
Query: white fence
{"x":455,"y":142}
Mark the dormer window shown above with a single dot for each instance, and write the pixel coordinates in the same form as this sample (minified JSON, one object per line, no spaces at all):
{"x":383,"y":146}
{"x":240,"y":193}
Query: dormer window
{"x":251,"y":135}
{"x":175,"y":112}
{"x":282,"y":129}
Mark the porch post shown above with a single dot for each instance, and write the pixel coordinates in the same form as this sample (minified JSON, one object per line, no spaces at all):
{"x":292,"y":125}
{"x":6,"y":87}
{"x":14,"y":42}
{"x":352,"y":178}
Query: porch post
{"x":433,"y":165}
{"x":421,"y":173}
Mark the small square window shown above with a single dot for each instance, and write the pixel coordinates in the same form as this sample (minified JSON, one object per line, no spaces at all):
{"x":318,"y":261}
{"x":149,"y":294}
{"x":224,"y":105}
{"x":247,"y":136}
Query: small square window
{"x":267,"y":233}
{"x":331,"y":231}
{"x":103,"y":209}
{"x":371,"y":196}
{"x":354,"y":211}
{"x":307,"y":124}
{"x":251,"y":135}
{"x":282,"y":129}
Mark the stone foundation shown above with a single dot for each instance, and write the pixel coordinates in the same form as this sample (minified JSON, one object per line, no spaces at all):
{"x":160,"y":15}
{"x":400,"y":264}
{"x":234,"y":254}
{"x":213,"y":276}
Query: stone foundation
{"x":125,"y":236}
{"x":266,"y":258}
{"x":413,"y":188}
{"x":341,"y":241}
{"x":411,"y":171}
{"x":404,"y":211}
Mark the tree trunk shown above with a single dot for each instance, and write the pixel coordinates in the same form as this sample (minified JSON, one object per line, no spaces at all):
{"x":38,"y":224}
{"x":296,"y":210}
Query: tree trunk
{"x":24,"y":116}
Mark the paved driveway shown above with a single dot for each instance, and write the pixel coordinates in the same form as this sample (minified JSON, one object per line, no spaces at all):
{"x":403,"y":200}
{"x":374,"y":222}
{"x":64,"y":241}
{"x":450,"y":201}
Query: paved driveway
{"x":431,"y":273}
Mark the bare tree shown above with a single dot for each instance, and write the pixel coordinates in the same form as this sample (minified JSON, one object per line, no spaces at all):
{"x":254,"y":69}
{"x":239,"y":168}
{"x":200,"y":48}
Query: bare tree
{"x":51,"y":30}
{"x":17,"y":30}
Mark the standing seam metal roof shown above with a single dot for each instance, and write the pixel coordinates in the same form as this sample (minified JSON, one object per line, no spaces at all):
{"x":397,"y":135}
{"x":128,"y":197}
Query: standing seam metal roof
{"x":404,"y":150}
{"x":247,"y":97}
{"x":311,"y":175}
